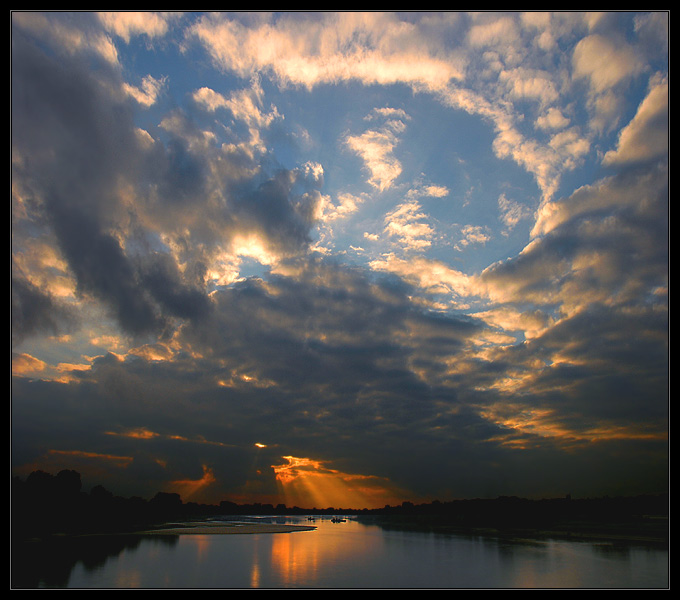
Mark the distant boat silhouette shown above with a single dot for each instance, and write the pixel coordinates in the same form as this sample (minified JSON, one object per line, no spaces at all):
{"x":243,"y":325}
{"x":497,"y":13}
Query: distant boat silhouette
{"x":337,"y":520}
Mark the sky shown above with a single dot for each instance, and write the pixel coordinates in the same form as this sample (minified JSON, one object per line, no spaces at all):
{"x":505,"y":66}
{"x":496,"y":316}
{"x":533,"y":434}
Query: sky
{"x":341,"y":259}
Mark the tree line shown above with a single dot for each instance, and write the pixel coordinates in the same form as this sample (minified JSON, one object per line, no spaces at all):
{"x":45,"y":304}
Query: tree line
{"x":44,"y":504}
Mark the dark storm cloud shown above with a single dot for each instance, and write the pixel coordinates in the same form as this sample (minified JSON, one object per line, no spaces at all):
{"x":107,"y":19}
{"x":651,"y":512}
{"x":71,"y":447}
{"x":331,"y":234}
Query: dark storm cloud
{"x":615,"y":369}
{"x":608,"y":245}
{"x":324,"y":362}
{"x":101,"y":267}
{"x":74,"y":144}
{"x":77,"y":152}
{"x":184,"y":174}
{"x":349,"y":329}
{"x":35,"y":312}
{"x":317,"y":364}
{"x":282,"y":207}
{"x":161,"y":277}
{"x":601,"y":370}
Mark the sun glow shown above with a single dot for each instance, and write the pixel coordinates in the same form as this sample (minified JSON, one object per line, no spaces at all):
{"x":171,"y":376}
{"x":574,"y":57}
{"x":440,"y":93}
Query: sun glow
{"x":190,"y":487}
{"x":310,"y":483}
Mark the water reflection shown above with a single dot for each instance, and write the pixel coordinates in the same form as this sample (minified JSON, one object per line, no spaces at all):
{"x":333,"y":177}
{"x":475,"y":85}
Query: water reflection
{"x":335,"y":555}
{"x":330,"y":553}
{"x":46,"y":564}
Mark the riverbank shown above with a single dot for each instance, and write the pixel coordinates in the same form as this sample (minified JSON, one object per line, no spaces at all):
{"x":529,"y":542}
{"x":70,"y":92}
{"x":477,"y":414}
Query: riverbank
{"x":224,"y":528}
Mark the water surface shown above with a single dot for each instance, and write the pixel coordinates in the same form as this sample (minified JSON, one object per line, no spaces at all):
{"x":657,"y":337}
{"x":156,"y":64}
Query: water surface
{"x":343,"y":555}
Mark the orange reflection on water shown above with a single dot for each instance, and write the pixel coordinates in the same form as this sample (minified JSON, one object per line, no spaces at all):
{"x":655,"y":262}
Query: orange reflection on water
{"x":255,"y":569}
{"x":295,"y":557}
{"x":255,"y":575}
{"x":203,"y":547}
{"x":302,"y":557}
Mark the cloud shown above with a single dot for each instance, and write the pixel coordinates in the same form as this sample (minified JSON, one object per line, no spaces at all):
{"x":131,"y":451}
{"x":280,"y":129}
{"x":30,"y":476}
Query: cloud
{"x":70,"y":33}
{"x":406,"y":224}
{"x":335,"y":351}
{"x":646,"y":136}
{"x":123,"y":211}
{"x":129,"y":23}
{"x":493,"y":31}
{"x":605,"y":246}
{"x":523,"y":84}
{"x":347,"y":205}
{"x":432,"y":276}
{"x":628,"y":191}
{"x":149,"y":91}
{"x":604,"y":63}
{"x":23,"y":364}
{"x":36,"y":311}
{"x":376,"y":146}
{"x":510,"y":318}
{"x":511,"y":212}
{"x":331,"y":47}
{"x":197,"y":258}
{"x":472,"y":234}
{"x":553,"y":119}
{"x":245,"y":105}
{"x":379,"y":48}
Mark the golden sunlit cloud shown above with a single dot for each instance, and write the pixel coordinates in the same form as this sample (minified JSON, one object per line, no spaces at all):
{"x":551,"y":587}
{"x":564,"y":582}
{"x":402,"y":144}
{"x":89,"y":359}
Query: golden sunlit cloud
{"x":142,"y":433}
{"x":239,"y":379}
{"x":187,"y":488}
{"x":375,"y":148}
{"x":123,"y":461}
{"x":430,"y":275}
{"x":253,"y":246}
{"x":528,"y":426}
{"x":624,"y":433}
{"x":531,"y":324}
{"x":66,"y":372}
{"x":25,"y":364}
{"x":406,"y":224}
{"x":139,"y":433}
{"x":309,"y":483}
{"x":529,"y":421}
{"x":153,"y":352}
{"x":125,"y":24}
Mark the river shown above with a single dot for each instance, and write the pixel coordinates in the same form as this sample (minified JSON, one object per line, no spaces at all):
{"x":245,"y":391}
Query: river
{"x":345,"y":555}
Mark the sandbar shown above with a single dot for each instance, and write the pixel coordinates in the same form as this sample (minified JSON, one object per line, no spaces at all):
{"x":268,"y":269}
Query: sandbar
{"x":223,"y":527}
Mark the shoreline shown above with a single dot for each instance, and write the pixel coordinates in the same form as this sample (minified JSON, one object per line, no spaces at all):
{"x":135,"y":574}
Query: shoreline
{"x":224,"y":528}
